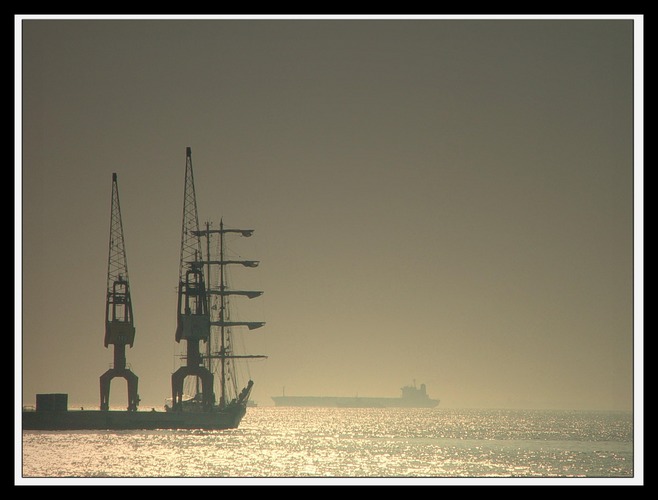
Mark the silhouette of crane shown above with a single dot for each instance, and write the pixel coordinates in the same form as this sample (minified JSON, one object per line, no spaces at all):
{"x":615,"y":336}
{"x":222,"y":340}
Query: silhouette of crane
{"x":119,"y":325}
{"x":193,"y":323}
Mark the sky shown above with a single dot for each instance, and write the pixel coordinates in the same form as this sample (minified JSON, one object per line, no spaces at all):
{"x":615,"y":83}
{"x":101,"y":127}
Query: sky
{"x":439,"y":201}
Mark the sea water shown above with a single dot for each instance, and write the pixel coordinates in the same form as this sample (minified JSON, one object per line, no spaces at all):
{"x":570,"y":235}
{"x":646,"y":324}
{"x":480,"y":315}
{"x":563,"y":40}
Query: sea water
{"x":356,"y":445}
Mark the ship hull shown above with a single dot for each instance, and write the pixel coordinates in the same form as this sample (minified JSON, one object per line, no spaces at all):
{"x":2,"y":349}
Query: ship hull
{"x":131,"y":420}
{"x":353,"y":402}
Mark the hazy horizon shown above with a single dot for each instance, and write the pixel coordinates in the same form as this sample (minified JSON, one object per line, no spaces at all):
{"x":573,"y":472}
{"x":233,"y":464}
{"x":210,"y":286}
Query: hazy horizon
{"x":445,"y":202}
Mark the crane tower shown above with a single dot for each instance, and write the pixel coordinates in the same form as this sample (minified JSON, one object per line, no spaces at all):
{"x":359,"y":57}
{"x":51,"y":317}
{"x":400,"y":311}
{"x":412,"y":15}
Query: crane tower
{"x":193,"y":323}
{"x":119,"y":326}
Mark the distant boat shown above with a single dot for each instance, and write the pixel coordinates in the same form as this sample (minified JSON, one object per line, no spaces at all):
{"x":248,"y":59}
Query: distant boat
{"x":412,"y":397}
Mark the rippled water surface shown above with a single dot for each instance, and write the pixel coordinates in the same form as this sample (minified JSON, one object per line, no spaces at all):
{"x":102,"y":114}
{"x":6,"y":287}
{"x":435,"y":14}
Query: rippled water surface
{"x":350,"y":443}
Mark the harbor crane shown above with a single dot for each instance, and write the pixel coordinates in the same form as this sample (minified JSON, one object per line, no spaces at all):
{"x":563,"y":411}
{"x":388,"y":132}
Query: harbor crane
{"x":119,"y":322}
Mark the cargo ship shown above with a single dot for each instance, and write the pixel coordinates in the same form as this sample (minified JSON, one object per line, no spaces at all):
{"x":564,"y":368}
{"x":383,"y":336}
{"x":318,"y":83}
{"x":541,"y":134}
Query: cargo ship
{"x":411,"y":397}
{"x":205,"y":391}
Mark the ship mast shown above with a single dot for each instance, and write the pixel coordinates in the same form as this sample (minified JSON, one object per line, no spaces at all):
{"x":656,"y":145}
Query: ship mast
{"x":221,"y":290}
{"x":119,"y":325}
{"x":222,"y":314}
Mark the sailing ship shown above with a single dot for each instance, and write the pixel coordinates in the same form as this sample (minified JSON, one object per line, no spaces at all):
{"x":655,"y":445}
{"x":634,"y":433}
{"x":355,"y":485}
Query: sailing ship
{"x":219,"y":359}
{"x":206,"y":392}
